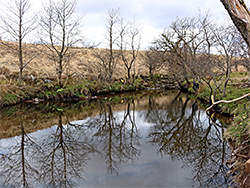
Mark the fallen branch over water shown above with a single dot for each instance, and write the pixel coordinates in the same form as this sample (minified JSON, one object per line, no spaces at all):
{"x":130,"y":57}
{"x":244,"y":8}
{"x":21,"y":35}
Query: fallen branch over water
{"x":227,"y":102}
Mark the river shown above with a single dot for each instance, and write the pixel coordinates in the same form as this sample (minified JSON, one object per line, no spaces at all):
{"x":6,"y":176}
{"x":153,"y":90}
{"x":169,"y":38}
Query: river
{"x":138,"y":139}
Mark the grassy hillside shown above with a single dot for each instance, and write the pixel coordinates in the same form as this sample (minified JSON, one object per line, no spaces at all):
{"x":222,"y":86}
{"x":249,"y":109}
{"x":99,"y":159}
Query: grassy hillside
{"x":82,"y":63}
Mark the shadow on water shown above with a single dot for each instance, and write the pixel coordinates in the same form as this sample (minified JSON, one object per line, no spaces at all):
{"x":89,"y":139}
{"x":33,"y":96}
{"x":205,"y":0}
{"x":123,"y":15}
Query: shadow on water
{"x":135,"y":140}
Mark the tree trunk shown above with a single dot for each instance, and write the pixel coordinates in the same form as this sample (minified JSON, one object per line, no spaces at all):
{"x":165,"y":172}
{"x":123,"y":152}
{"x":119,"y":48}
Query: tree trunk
{"x":150,"y":71}
{"x":111,"y":57}
{"x":240,"y":16}
{"x":60,"y":71}
{"x":129,"y":74}
{"x":20,"y":50}
{"x":228,"y":73}
{"x":20,"y":55}
{"x":20,"y":76}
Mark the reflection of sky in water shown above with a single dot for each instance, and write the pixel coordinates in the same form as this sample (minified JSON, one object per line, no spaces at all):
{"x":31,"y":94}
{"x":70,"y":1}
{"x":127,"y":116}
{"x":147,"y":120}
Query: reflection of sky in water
{"x":7,"y":143}
{"x":139,"y":120}
{"x":149,"y":169}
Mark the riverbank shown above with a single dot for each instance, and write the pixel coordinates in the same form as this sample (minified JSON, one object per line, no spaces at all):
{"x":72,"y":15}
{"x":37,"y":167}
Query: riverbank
{"x":240,"y":110}
{"x":238,"y":130}
{"x":76,"y":90}
{"x":117,"y":127}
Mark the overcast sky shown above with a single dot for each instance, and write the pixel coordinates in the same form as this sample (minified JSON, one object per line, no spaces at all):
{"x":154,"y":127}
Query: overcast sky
{"x":152,"y":15}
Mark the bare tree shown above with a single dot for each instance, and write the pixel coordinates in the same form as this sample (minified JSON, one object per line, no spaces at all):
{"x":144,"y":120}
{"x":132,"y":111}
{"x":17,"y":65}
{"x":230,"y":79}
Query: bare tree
{"x":17,"y":24}
{"x":153,"y":60}
{"x":226,"y":45}
{"x":243,"y":53}
{"x":59,"y":31}
{"x":209,"y":63}
{"x":111,"y":22}
{"x":129,"y":44}
{"x":181,"y":44}
{"x":225,"y":40}
{"x":107,"y":58}
{"x":240,"y":16}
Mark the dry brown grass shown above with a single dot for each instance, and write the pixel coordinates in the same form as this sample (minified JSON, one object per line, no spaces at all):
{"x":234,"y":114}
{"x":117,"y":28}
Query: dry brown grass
{"x":82,"y":63}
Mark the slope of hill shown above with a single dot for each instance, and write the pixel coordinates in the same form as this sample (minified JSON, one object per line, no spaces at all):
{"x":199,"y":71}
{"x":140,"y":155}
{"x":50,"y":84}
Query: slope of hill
{"x":82,"y":62}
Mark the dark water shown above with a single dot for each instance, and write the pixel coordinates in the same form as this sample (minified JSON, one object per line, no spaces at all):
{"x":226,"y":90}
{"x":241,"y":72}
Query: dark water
{"x":154,"y":139}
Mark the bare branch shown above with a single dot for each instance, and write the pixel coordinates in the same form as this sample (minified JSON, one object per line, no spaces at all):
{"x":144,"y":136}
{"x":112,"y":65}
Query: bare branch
{"x":227,"y":102}
{"x":17,"y":25}
{"x":59,"y":31}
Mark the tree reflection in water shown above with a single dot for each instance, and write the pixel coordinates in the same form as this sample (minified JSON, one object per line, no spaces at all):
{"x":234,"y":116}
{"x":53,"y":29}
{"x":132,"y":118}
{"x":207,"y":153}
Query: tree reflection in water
{"x":185,"y":134}
{"x":64,"y":156}
{"x":16,"y":163}
{"x":117,"y":135}
{"x":59,"y":156}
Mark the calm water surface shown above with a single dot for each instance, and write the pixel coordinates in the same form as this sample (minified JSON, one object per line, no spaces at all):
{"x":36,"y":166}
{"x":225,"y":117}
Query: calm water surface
{"x":153,"y":139}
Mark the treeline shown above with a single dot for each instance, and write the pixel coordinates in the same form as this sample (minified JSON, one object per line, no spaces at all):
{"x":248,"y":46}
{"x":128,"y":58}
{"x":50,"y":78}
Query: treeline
{"x":199,"y":50}
{"x":191,"y":49}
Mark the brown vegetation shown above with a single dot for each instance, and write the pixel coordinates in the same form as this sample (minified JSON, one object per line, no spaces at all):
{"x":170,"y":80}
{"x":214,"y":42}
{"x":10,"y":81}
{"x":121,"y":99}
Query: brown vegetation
{"x":83,"y":65}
